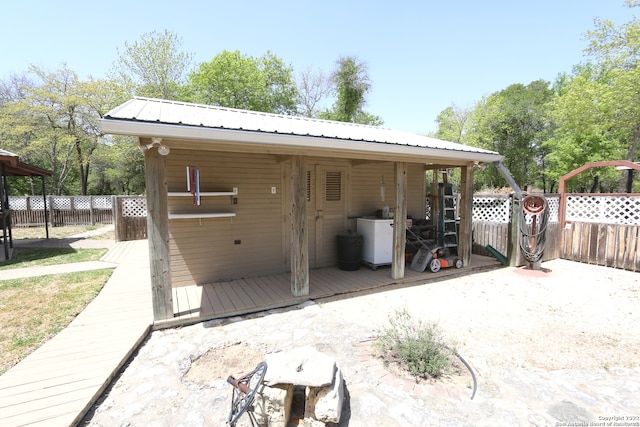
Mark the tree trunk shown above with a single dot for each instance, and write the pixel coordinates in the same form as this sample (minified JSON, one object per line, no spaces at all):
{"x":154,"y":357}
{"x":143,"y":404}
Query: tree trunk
{"x":626,"y":182}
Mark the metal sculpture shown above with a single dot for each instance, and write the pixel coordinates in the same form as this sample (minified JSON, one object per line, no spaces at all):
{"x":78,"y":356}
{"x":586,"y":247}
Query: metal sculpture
{"x":243,"y":394}
{"x":533,"y":225}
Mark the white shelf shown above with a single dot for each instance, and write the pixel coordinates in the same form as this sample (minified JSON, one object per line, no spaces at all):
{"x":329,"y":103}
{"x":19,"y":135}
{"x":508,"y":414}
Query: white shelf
{"x":201,"y":215}
{"x":233,"y":192}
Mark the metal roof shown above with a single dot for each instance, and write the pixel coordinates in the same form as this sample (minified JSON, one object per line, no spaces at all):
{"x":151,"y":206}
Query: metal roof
{"x":13,"y":167}
{"x":159,"y":118}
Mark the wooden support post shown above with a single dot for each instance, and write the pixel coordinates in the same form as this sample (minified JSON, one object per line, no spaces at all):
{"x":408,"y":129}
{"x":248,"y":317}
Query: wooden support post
{"x":513,"y":244}
{"x":399,"y":223}
{"x":158,"y":235}
{"x":434,"y":198}
{"x":465,"y":231}
{"x":45,"y":209}
{"x":92,"y":218}
{"x":299,"y":240}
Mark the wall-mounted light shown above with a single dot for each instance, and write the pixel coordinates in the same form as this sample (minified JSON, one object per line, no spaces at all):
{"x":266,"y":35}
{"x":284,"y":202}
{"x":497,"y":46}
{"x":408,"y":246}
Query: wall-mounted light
{"x":163,"y":150}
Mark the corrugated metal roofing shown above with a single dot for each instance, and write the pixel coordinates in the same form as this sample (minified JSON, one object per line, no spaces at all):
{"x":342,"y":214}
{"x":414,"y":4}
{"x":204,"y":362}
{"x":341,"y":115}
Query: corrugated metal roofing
{"x":148,"y":110}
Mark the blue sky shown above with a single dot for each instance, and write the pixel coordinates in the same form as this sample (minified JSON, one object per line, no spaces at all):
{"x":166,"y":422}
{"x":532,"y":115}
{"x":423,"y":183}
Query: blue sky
{"x":422,"y":56}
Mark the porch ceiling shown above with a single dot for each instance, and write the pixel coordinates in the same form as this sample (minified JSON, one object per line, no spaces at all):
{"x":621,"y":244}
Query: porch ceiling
{"x":223,"y":129}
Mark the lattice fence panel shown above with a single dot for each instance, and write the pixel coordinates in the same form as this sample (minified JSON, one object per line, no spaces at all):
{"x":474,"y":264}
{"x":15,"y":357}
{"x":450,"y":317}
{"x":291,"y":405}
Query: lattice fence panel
{"x":82,"y":202}
{"x":134,"y":207}
{"x":17,"y":203}
{"x":61,"y":203}
{"x":102,"y":202}
{"x":553,"y":205}
{"x":624,"y":210}
{"x":492,"y":209}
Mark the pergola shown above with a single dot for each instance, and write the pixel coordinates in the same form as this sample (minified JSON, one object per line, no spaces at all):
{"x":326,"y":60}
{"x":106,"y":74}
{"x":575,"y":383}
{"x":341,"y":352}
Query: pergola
{"x":10,"y":166}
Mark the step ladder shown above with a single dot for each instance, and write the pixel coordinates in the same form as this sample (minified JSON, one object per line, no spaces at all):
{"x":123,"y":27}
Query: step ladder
{"x":447,"y":221}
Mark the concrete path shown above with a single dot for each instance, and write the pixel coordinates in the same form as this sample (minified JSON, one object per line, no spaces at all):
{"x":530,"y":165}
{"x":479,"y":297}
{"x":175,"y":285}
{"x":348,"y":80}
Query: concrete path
{"x":82,"y":240}
{"x":45,"y":270}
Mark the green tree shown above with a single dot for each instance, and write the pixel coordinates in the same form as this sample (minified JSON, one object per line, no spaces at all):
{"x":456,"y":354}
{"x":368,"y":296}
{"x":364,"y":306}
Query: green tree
{"x":616,"y":50}
{"x":118,"y":168}
{"x":234,"y":80}
{"x":153,"y":67}
{"x":351,"y":82}
{"x":583,"y":111}
{"x":453,"y":124}
{"x":514,"y":123}
{"x":597,"y":109}
{"x":53,"y":124}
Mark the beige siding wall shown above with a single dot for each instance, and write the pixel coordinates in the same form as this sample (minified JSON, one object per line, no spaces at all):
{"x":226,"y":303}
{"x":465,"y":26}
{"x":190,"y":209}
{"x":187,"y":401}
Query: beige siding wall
{"x":366,"y":197}
{"x":206,"y":250}
{"x":416,"y":183}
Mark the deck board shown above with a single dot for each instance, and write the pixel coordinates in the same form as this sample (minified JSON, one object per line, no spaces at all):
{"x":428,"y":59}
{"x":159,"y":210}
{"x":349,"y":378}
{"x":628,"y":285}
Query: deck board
{"x":57,"y":383}
{"x":259,"y":293}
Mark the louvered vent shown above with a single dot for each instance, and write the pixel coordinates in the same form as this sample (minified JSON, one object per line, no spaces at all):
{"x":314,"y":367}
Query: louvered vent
{"x":333,"y":187}
{"x":308,"y":186}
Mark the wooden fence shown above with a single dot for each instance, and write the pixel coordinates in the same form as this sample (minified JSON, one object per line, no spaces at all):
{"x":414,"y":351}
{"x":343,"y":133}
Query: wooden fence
{"x":492,"y":226}
{"x":602,"y":229}
{"x":497,"y":236}
{"x":610,"y":245}
{"x":596,"y":241}
{"x":130,"y":219}
{"x":60,"y":210}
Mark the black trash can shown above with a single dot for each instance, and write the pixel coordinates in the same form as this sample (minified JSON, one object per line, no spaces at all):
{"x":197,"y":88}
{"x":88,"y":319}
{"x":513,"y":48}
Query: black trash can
{"x":349,"y":251}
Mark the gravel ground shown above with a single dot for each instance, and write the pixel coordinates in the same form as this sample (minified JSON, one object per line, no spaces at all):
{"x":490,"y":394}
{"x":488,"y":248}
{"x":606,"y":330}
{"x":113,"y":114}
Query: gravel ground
{"x":549,"y":348}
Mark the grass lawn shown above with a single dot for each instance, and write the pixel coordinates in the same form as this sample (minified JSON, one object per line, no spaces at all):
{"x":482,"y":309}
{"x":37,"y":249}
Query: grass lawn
{"x":29,"y":257}
{"x":59,"y":232}
{"x":32,"y":310}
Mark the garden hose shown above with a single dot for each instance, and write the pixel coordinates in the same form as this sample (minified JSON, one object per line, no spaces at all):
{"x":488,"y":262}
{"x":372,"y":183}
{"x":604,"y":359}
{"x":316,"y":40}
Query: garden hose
{"x":473,"y":375}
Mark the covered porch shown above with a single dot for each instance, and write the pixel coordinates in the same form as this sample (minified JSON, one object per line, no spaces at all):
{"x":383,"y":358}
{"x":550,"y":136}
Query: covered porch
{"x":196,"y":303}
{"x":277,"y":191}
{"x":11,"y":166}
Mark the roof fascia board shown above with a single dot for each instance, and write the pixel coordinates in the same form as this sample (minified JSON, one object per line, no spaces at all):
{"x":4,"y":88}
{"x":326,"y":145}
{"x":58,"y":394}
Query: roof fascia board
{"x":145,"y":129}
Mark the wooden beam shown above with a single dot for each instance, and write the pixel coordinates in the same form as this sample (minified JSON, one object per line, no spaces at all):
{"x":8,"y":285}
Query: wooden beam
{"x":359,"y":162}
{"x":465,"y":232}
{"x":399,"y":224}
{"x":158,"y":234}
{"x":281,"y":159}
{"x":299,"y":240}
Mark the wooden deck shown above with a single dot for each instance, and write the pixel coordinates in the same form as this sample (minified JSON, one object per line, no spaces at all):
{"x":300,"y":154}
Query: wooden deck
{"x":224,"y":299}
{"x":57,"y":384}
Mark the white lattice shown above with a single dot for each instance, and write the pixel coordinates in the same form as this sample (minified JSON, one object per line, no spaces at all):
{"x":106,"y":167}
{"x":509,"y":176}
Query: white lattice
{"x":62,"y":203}
{"x":82,"y":202}
{"x":17,"y":203}
{"x":21,"y":203}
{"x":102,"y":202}
{"x":37,"y":203}
{"x":492,"y":208}
{"x":553,"y":205}
{"x":134,"y":207}
{"x":604,"y":209}
{"x":497,"y":208}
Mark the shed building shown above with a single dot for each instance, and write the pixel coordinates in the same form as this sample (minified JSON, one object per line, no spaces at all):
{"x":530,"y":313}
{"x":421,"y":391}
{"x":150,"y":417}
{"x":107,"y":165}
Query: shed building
{"x":234,"y":194}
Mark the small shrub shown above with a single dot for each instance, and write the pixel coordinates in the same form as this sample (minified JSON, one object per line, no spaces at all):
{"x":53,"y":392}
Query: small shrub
{"x":415,"y":346}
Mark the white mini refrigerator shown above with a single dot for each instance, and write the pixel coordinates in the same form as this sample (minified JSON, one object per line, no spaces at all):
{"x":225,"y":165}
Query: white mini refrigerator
{"x":377,"y":241}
